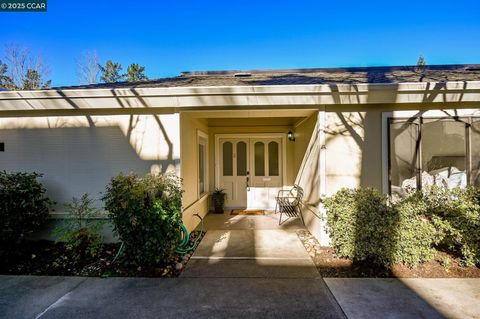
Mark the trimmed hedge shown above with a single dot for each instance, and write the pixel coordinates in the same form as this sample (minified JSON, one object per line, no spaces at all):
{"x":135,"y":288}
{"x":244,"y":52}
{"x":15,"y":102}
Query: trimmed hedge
{"x":365,"y":226}
{"x":24,"y":208}
{"x":146,"y":213}
{"x":456,"y":216}
{"x":415,"y":236}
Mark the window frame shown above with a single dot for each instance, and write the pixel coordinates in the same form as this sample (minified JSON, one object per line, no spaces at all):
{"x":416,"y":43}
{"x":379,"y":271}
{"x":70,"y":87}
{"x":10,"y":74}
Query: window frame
{"x":202,"y":139}
{"x":467,"y":119}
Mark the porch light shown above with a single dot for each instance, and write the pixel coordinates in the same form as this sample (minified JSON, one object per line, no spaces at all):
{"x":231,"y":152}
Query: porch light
{"x":290,"y":136}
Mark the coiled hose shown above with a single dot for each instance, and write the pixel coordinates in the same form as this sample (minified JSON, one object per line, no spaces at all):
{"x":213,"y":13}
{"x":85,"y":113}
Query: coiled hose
{"x":182,"y":246}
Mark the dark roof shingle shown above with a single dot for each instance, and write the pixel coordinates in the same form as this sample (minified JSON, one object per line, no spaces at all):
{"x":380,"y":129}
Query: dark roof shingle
{"x":353,"y":75}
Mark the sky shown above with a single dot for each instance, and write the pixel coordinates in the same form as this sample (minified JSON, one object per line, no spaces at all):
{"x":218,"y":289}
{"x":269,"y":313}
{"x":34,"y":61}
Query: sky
{"x":169,"y":37}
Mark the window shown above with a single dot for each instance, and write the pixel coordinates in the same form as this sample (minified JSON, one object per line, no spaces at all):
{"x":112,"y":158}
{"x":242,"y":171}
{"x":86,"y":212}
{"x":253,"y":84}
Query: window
{"x":273,"y":169}
{"x":241,"y":159}
{"x":403,"y":159}
{"x":202,"y":139}
{"x":259,"y":151}
{"x":227,"y":154}
{"x":433,"y":151}
{"x":475,"y":152}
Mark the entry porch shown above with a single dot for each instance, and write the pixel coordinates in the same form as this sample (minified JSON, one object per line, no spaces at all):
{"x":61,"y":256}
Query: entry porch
{"x":251,"y":155}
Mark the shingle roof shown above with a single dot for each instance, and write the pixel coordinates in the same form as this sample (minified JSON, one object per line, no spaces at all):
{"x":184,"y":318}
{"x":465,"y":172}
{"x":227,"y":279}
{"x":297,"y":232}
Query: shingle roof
{"x":352,"y":75}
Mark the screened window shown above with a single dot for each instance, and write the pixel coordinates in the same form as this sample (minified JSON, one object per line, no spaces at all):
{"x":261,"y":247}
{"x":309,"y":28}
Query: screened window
{"x":426,"y":152}
{"x":475,"y":152}
{"x":404,"y":147}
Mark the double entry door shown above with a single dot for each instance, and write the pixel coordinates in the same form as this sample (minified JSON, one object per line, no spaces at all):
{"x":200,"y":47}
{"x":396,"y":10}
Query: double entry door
{"x":250,"y":171}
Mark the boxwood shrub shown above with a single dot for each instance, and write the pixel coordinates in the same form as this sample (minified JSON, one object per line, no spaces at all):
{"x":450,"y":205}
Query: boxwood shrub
{"x":456,"y":216}
{"x":363,"y":226}
{"x":24,"y":208}
{"x":146,"y":212}
{"x":415,"y":236}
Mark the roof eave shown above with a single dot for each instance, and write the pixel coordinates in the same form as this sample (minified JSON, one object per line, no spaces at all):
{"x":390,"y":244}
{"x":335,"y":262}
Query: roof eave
{"x":217,"y":97}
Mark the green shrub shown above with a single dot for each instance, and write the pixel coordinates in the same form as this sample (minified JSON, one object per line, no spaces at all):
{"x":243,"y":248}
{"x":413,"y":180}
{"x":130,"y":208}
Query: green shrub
{"x":456,"y":215}
{"x":364,"y":227}
{"x":24,"y":208}
{"x":146,"y":212}
{"x":415,"y":235}
{"x":81,"y":229}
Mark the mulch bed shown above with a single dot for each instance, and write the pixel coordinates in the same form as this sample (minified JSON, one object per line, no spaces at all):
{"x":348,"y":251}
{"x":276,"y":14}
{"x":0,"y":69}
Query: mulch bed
{"x":330,"y":265}
{"x":52,"y":259}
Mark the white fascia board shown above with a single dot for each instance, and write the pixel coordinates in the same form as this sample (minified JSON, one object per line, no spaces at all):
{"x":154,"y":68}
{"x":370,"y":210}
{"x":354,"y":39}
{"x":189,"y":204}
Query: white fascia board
{"x":230,"y":97}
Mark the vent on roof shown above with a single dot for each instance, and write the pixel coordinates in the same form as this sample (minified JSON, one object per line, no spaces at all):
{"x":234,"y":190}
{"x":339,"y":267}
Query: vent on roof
{"x":472,"y":68}
{"x":242,"y":75}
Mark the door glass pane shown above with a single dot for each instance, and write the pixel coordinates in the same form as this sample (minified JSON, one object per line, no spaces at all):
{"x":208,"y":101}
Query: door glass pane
{"x":273,"y":159}
{"x":241,"y":159}
{"x":475,"y":151}
{"x":403,"y":156}
{"x":227,"y":159}
{"x":444,"y":153}
{"x":259,"y":151}
{"x":201,"y":168}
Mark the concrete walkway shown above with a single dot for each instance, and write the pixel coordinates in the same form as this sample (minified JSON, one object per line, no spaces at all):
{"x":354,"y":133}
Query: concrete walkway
{"x":245,"y":267}
{"x":366,"y":298}
{"x":243,"y":246}
{"x":256,"y":270}
{"x":113,"y":298}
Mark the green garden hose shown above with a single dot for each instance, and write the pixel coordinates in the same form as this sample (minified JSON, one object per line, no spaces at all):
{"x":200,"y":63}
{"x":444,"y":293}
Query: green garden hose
{"x":118,"y":252}
{"x":182,"y":249}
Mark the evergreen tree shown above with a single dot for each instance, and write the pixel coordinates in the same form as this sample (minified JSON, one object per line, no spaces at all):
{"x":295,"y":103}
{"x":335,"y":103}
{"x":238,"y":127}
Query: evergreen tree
{"x":135,"y":73}
{"x":33,"y":81}
{"x":421,"y":67}
{"x":421,"y":63}
{"x":5,"y":80}
{"x":111,"y":72}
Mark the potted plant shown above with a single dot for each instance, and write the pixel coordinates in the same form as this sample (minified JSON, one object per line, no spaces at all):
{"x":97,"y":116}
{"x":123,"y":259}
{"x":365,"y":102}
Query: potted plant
{"x":218,"y":198}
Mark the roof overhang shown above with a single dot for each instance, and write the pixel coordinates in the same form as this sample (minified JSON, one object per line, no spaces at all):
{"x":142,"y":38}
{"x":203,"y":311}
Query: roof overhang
{"x":172,"y":100}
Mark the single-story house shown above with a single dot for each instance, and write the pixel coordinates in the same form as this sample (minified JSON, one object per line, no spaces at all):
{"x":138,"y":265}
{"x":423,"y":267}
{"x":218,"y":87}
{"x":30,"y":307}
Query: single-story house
{"x":253,"y":133}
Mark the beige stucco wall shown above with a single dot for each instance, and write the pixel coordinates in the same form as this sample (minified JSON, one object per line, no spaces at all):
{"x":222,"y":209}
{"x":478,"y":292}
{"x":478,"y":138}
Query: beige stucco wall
{"x":308,"y":175}
{"x":352,"y":158}
{"x":192,"y":202}
{"x":79,"y":154}
{"x":353,"y":142}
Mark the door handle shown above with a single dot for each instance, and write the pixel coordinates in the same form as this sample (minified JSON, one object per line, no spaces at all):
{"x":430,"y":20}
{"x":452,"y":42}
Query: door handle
{"x":248,"y":180}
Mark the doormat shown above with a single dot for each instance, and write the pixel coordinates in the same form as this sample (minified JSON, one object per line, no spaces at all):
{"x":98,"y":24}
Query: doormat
{"x":247,"y":212}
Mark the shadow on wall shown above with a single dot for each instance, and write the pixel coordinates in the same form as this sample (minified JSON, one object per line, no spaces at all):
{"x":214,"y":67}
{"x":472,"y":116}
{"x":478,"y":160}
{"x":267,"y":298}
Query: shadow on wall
{"x":77,"y":160}
{"x":308,"y":173}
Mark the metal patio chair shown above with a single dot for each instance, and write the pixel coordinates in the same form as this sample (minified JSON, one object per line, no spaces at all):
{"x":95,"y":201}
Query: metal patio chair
{"x":289,"y":203}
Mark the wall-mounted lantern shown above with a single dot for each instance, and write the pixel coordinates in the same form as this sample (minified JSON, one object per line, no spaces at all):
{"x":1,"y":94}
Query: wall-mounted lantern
{"x":290,"y":136}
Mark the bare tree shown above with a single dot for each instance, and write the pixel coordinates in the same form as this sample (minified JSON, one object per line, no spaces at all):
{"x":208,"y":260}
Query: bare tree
{"x":25,"y":70}
{"x":87,"y":68}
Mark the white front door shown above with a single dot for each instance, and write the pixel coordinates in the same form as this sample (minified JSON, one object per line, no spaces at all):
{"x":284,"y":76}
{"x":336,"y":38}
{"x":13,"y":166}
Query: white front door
{"x":266,"y":172}
{"x":234,"y":171}
{"x":250,"y":171}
